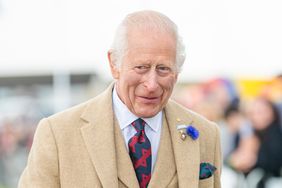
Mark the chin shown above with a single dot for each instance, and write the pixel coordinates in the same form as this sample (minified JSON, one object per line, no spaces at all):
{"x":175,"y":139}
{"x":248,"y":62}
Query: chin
{"x":147,"y":114}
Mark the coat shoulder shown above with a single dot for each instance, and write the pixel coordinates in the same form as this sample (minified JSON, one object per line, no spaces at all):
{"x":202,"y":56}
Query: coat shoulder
{"x":195,"y":117}
{"x":70,"y":114}
{"x":73,"y":116}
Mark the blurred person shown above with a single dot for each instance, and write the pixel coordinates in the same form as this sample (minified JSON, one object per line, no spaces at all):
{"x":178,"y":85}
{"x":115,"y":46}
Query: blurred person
{"x":131,"y":135}
{"x":276,"y":94}
{"x":12,"y":153}
{"x":220,"y":91}
{"x":237,"y":139}
{"x":209,"y":110}
{"x":273,"y":92}
{"x":265,"y":120}
{"x":8,"y":138}
{"x":190,"y":95}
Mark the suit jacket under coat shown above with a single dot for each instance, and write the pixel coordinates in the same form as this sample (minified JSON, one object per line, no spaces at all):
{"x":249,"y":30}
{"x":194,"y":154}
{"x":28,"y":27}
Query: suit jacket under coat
{"x":77,"y":148}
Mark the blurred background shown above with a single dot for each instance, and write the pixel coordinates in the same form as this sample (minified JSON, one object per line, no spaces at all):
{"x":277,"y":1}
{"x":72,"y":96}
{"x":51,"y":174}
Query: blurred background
{"x":53,"y":55}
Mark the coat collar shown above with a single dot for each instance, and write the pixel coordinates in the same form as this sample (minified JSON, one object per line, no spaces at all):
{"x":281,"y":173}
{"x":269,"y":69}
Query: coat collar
{"x":98,"y":136}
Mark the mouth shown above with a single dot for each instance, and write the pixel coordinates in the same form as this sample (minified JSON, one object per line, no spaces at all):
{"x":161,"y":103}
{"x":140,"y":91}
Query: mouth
{"x":148,"y":100}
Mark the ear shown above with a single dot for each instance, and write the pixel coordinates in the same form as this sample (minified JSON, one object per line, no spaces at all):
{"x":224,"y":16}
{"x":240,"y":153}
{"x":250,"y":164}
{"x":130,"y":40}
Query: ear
{"x":113,"y":66}
{"x":176,"y":76}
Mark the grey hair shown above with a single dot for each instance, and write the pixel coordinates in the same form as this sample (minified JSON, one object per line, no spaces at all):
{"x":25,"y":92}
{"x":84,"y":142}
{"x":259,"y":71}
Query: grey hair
{"x":149,"y":20}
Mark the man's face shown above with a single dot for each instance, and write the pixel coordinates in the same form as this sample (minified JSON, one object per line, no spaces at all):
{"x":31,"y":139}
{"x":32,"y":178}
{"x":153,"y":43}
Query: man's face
{"x":147,"y":74}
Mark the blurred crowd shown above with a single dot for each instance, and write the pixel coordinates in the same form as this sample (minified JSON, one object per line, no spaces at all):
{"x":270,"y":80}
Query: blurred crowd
{"x":15,"y":141}
{"x":16,"y":134}
{"x":251,"y":131}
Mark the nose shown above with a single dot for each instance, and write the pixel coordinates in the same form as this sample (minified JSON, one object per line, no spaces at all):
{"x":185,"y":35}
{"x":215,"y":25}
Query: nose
{"x":151,"y":81}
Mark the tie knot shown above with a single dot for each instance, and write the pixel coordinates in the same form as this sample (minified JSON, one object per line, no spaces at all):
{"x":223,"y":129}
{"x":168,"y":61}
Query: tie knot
{"x":138,"y":124}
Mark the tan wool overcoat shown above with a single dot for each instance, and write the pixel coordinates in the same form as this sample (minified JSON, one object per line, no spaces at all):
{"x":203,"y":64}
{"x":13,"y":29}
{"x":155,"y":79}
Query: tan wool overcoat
{"x":83,"y":147}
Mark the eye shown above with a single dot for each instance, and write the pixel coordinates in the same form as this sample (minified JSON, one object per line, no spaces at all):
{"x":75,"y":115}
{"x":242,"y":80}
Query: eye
{"x":163,"y":70}
{"x":141,"y":68}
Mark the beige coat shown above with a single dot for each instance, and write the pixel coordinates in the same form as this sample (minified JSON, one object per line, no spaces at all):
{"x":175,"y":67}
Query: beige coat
{"x":83,"y":147}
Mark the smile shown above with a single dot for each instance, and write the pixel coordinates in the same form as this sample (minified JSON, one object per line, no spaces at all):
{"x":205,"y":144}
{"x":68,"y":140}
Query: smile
{"x":148,"y":100}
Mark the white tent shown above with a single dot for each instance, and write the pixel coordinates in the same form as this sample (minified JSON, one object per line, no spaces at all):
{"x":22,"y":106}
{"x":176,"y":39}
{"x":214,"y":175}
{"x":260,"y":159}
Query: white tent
{"x":223,"y":37}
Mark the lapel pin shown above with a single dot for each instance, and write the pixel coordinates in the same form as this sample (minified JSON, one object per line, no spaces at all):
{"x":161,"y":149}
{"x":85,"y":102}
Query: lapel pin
{"x":188,"y":130}
{"x":182,"y":135}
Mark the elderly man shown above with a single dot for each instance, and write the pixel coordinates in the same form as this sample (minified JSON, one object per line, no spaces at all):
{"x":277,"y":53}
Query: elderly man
{"x":131,"y":135}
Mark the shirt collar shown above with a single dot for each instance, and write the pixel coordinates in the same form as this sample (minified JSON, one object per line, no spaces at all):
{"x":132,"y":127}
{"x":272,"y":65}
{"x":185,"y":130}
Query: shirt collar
{"x":125,"y":117}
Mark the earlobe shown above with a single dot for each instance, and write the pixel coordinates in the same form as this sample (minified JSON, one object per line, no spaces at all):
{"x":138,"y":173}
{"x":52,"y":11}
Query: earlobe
{"x":113,"y":66}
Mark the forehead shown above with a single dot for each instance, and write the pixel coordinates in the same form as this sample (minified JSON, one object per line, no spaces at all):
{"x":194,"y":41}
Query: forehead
{"x":144,"y":44}
{"x":153,"y":39}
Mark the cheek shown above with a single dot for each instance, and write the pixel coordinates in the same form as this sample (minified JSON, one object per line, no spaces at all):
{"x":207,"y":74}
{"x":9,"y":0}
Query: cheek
{"x":131,"y":83}
{"x":129,"y":78}
{"x":168,"y":84}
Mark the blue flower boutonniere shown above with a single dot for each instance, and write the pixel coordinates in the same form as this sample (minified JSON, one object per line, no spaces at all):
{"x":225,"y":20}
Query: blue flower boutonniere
{"x":192,"y":132}
{"x":188,"y":130}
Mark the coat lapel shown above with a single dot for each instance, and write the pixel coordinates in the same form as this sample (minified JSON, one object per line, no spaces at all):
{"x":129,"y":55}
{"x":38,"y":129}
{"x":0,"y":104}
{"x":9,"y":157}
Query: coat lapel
{"x":98,"y":135}
{"x":165,"y":165}
{"x":187,"y":152}
{"x":125,"y":168}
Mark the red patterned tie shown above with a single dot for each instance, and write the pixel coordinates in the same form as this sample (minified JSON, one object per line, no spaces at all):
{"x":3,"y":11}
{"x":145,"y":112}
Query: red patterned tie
{"x":140,"y":153}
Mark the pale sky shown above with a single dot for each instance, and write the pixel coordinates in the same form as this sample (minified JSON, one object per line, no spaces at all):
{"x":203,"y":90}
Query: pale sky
{"x":236,"y":39}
